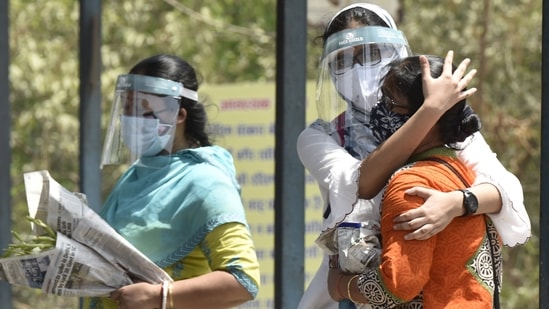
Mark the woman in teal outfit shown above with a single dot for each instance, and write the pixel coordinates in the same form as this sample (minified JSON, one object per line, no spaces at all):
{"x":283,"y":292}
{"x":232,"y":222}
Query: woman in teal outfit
{"x":179,"y":202}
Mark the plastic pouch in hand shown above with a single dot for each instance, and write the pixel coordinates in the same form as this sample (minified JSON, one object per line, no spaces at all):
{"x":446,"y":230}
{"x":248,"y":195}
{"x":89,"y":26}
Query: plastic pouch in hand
{"x":358,"y":247}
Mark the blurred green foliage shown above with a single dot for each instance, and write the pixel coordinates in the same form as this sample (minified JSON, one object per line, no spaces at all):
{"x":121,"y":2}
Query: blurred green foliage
{"x":234,"y":41}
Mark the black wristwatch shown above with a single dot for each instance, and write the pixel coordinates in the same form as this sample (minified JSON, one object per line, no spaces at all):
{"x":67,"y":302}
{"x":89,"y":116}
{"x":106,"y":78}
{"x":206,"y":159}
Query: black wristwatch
{"x":470,"y":202}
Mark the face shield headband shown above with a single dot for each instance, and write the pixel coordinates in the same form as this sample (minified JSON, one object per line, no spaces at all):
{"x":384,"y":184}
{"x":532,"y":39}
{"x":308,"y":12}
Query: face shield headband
{"x":143,"y":119}
{"x":352,"y":65}
{"x":154,"y":85}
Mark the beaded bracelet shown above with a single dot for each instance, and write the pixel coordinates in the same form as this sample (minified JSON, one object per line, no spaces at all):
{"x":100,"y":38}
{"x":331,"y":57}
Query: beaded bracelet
{"x":349,"y":289}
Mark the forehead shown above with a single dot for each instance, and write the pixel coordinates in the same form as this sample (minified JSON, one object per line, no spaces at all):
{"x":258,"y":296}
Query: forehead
{"x":139,"y":103}
{"x":143,"y":99}
{"x":389,"y":88}
{"x":148,"y":97}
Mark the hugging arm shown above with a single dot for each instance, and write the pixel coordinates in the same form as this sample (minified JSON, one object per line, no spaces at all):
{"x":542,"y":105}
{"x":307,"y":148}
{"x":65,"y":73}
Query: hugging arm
{"x":498,"y":191}
{"x":333,"y":168}
{"x":512,"y":221}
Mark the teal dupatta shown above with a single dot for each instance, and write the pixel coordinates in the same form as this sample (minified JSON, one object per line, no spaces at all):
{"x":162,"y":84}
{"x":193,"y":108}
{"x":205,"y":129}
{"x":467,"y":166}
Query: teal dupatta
{"x":165,"y":209}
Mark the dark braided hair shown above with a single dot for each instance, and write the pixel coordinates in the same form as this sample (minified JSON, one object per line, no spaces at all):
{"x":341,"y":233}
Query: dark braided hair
{"x":176,"y":69}
{"x":404,"y":77}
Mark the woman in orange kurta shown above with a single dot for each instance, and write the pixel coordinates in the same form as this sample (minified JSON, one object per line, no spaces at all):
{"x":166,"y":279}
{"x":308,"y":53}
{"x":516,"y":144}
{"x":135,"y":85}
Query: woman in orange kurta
{"x":452,"y":268}
{"x":457,"y":268}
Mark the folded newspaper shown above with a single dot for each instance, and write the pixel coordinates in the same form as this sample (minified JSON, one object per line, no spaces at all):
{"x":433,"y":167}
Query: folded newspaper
{"x":89,"y":259}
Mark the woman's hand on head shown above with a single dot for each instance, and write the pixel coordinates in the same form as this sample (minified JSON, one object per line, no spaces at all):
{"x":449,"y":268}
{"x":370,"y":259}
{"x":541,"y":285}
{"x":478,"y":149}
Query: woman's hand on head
{"x":433,"y":216}
{"x":445,"y":91}
{"x":138,"y":295}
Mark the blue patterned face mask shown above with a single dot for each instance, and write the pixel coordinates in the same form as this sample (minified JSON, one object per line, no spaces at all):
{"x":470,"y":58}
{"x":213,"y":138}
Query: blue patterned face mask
{"x":384,"y":122}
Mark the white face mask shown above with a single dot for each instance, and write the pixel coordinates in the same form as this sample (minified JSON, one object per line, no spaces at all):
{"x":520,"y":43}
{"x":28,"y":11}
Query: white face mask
{"x":360,"y":85}
{"x":142,"y":135}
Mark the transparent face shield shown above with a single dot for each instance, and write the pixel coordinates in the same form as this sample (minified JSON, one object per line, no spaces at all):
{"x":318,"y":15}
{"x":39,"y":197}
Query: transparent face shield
{"x":143,"y":119}
{"x":351,"y":68}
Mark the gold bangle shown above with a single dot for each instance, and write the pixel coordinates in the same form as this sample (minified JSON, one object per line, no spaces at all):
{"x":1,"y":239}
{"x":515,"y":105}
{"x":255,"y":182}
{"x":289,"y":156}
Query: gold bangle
{"x":349,"y":289}
{"x":164,"y":291}
{"x":170,"y":295}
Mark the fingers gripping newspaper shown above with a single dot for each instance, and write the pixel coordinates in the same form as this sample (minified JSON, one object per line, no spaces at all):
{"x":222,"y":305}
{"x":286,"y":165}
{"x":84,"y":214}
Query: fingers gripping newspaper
{"x":89,"y":259}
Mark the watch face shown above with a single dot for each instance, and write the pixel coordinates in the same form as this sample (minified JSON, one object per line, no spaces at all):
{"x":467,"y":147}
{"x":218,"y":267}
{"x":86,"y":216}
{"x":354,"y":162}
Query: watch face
{"x":470,"y":202}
